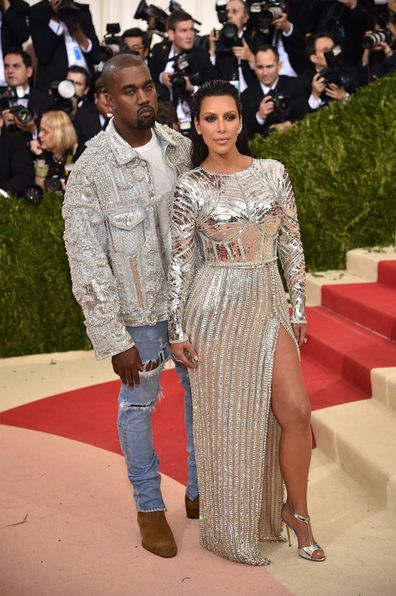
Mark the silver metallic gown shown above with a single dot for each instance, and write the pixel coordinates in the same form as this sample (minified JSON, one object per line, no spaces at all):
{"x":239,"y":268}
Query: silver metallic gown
{"x":227,"y":298}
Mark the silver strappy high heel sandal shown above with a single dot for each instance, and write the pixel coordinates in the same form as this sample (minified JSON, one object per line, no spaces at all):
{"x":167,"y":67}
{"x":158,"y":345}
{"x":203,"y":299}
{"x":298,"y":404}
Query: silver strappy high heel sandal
{"x":306,"y":552}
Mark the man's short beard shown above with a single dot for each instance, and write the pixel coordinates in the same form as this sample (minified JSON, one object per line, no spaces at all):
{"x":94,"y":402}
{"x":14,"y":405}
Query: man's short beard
{"x":145,"y":124}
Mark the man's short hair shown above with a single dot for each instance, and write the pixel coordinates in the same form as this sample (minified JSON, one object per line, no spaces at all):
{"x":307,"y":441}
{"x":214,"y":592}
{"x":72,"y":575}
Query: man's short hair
{"x":310,"y":47}
{"x":80,"y":70}
{"x":136,"y":32}
{"x":176,"y":17}
{"x":26,"y":58}
{"x":268,"y":48}
{"x":116,"y":63}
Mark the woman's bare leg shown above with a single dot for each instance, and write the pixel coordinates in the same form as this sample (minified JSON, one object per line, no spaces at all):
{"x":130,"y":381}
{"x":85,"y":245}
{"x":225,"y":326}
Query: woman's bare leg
{"x":291,"y":407}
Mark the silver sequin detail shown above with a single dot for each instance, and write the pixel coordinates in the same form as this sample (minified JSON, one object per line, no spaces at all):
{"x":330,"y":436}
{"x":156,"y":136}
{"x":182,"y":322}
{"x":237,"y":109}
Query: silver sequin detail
{"x":227,"y":297}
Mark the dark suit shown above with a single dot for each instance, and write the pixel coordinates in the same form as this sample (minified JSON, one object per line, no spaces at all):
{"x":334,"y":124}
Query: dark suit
{"x":16,"y":163}
{"x":15,"y":26}
{"x":253,"y":95}
{"x":39,"y":102}
{"x":305,"y":80}
{"x":50,"y":48}
{"x":87,"y":124}
{"x":200,"y":66}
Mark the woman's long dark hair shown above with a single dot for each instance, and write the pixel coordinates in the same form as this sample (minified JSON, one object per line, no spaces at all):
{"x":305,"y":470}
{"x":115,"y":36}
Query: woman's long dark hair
{"x":199,"y":149}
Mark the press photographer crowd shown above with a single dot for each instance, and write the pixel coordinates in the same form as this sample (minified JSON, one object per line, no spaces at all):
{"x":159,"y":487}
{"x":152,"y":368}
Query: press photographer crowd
{"x":287,"y":58}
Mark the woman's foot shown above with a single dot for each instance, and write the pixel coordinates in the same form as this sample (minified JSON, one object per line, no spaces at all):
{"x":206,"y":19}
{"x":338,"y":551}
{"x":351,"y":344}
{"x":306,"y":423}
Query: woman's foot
{"x":301,"y":526}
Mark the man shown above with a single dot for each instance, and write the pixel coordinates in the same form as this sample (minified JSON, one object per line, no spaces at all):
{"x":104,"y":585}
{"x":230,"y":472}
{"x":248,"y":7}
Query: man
{"x":18,"y":70}
{"x":93,"y":117}
{"x":117,"y":238}
{"x":62,"y":43}
{"x":261,"y":110}
{"x":138,"y":42}
{"x":234,"y":63}
{"x":14,"y":28}
{"x":317,"y":80}
{"x":82,"y":84}
{"x":181,"y":36}
{"x":16,"y":163}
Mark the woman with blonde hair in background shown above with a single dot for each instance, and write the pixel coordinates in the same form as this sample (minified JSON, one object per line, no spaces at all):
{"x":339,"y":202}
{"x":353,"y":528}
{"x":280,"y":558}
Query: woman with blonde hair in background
{"x":55,"y":149}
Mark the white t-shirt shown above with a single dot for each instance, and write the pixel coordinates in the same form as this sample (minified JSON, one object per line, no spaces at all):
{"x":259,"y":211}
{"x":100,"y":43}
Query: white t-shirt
{"x":163,"y":179}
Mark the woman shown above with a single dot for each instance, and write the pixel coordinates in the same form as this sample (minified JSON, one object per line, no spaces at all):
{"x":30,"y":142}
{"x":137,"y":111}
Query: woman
{"x":229,"y":324}
{"x":55,"y":150}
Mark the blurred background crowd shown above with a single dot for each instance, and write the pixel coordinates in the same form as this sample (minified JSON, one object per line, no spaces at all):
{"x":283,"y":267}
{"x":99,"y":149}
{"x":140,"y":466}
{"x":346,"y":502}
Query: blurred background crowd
{"x":287,"y":58}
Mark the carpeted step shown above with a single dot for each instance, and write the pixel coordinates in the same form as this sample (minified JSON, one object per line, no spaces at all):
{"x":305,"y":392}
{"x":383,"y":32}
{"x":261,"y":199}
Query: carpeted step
{"x":372,"y":305}
{"x":346,"y":349}
{"x":387,"y":273}
{"x":383,"y":383}
{"x":361,"y":438}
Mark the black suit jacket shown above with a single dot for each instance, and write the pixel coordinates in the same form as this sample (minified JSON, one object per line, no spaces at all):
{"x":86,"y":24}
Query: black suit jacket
{"x":50,"y":48}
{"x":200,"y":66}
{"x":16,"y":163}
{"x":252,"y":96}
{"x":87,"y":124}
{"x":39,"y":102}
{"x":15,"y":27}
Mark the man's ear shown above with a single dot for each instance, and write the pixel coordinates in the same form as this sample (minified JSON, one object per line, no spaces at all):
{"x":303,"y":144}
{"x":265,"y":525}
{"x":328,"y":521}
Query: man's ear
{"x":29,"y":71}
{"x":171,"y":35}
{"x":313,"y":58}
{"x":109,"y":99}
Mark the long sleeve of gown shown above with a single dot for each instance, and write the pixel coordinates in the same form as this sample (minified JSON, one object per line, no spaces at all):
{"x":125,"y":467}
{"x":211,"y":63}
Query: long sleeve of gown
{"x":290,"y":250}
{"x":184,"y":214}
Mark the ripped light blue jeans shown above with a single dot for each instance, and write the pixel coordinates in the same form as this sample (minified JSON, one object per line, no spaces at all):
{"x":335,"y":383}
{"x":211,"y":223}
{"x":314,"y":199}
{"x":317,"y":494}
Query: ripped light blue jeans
{"x":135,"y":407}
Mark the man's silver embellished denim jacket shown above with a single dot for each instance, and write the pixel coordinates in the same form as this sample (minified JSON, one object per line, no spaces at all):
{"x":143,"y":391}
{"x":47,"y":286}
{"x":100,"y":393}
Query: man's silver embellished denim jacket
{"x":114,"y":237}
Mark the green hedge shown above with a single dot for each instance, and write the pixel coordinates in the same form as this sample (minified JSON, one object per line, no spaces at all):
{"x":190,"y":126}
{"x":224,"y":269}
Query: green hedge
{"x":342,"y":163}
{"x":38,"y":311}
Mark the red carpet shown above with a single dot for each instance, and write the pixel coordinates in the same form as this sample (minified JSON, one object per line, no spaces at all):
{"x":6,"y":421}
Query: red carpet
{"x":336,"y":362}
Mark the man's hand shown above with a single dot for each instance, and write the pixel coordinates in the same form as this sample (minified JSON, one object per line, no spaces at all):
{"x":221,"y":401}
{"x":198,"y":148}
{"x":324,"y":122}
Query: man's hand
{"x":165,"y":78}
{"x":29,"y":127}
{"x":283,"y":23}
{"x":9,"y":118}
{"x":318,"y":85}
{"x":351,"y":4}
{"x":243,"y":52}
{"x":213,"y":39}
{"x":266,"y":107}
{"x":336,"y":92}
{"x":185,"y":353}
{"x":189,"y":85}
{"x":127,"y":366}
{"x":280,"y":126}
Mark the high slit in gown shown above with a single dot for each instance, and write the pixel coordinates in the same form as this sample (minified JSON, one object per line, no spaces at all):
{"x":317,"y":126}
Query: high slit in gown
{"x":227,"y":299}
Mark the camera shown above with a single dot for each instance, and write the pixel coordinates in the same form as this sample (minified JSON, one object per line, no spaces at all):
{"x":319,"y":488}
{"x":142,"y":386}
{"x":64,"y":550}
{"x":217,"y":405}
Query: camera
{"x":374,"y":39}
{"x":112,"y":42}
{"x":69,"y":12}
{"x":181,"y":69}
{"x":221,"y":9}
{"x":7,"y":94}
{"x":283,"y":105}
{"x":228,"y":39}
{"x":62,"y":93}
{"x":263,"y":14}
{"x":335,"y":71}
{"x":154,"y":16}
{"x":24,"y":115}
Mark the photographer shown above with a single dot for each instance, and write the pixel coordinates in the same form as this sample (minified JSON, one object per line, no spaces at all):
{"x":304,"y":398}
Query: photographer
{"x":16,"y":163}
{"x":63,"y":35}
{"x":138,"y":42}
{"x":163,"y":60}
{"x":345,"y":20}
{"x":274,"y":101}
{"x":14,"y":28}
{"x":18,"y":70}
{"x":328,"y":78}
{"x":82,"y":80}
{"x":379,"y":55}
{"x":92,"y":118}
{"x":55,"y":151}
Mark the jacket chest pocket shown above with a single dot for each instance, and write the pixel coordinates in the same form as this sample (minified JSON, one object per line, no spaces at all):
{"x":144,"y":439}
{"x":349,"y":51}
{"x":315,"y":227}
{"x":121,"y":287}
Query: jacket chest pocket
{"x":126,"y":230}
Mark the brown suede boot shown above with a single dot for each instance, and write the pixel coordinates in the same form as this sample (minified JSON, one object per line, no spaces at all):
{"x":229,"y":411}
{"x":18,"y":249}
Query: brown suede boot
{"x":156,"y":534}
{"x":192,"y":507}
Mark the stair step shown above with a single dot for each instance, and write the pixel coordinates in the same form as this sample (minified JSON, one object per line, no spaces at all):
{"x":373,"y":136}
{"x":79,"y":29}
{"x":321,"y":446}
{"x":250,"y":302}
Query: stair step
{"x":372,"y":305}
{"x":326,"y":388}
{"x":364,"y":263}
{"x":346,"y":349}
{"x":387,"y":273}
{"x":383,"y":383}
{"x":361,"y":438}
{"x":315,"y":282}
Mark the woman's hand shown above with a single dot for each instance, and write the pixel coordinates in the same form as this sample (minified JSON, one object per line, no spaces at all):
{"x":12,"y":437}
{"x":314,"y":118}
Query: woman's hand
{"x":185,"y":353}
{"x":300,"y":330}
